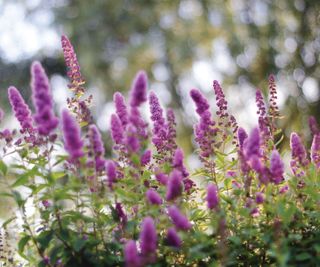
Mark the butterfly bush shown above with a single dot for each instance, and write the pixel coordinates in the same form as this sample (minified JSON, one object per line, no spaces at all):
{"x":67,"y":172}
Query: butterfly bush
{"x":254,"y":201}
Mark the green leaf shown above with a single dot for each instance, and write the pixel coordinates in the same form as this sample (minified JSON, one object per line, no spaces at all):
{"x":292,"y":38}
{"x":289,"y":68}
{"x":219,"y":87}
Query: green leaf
{"x":303,"y":256}
{"x":78,"y":244}
{"x":3,"y":168}
{"x":24,"y":178}
{"x":21,"y":245}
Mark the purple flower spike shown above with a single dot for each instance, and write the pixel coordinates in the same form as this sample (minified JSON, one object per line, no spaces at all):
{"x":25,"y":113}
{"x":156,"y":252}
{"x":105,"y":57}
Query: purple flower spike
{"x":276,"y":167}
{"x":73,"y":66}
{"x":148,"y":237}
{"x":72,"y":136}
{"x":42,"y":100}
{"x":121,"y":108}
{"x":242,"y":136}
{"x":221,"y":102}
{"x":97,"y":147}
{"x":262,"y":112}
{"x":212,"y":196}
{"x":315,"y":150}
{"x":162,"y":178}
{"x":252,"y":144}
{"x":116,"y":129}
{"x":174,"y":185}
{"x":20,"y":109}
{"x":111,"y":170}
{"x":159,"y":127}
{"x":132,"y":140}
{"x":131,"y":254}
{"x":313,"y":125}
{"x":173,"y":238}
{"x":200,"y":101}
{"x":178,"y":162}
{"x":179,"y":220}
{"x":138,"y":93}
{"x":153,"y":197}
{"x":298,"y":155}
{"x":146,"y":157}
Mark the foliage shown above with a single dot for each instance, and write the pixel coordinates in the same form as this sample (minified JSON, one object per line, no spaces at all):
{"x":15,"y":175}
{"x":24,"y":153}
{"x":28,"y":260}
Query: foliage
{"x":142,"y":207}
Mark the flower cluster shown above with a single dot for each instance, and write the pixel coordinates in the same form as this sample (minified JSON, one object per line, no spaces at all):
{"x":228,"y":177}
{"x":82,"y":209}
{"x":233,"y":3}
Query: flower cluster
{"x":136,"y":203}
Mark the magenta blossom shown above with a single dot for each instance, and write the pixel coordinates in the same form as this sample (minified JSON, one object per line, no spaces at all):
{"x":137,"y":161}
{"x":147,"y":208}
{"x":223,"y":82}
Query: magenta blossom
{"x":173,"y":238}
{"x":42,"y":100}
{"x":174,"y":185}
{"x":153,"y":197}
{"x":72,"y":136}
{"x":148,"y":237}
{"x":20,"y":109}
{"x":131,"y":255}
{"x":178,"y":219}
{"x":212,"y":196}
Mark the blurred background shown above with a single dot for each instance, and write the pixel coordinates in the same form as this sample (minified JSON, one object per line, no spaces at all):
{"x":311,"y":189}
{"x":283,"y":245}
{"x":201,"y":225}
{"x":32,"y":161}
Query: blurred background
{"x":181,"y":44}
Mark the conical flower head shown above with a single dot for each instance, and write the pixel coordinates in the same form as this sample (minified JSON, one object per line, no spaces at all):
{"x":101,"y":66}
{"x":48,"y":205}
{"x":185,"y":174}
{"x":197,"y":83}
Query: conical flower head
{"x":138,"y":93}
{"x":174,"y":185}
{"x":172,"y":238}
{"x":148,"y":236}
{"x":153,"y":197}
{"x":298,"y":151}
{"x":131,"y":255}
{"x":116,"y":129}
{"x":212,"y":196}
{"x":121,"y":108}
{"x":72,"y":136}
{"x":42,"y":100}
{"x":73,"y":66}
{"x":315,"y":150}
{"x":20,"y":109}
{"x":276,"y":167}
{"x":97,"y":147}
{"x":242,"y":136}
{"x":252,"y":144}
{"x":200,"y":101}
{"x":178,"y":219}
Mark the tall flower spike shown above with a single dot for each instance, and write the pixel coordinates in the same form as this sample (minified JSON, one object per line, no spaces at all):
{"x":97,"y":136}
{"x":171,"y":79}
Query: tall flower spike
{"x":221,"y":102}
{"x":97,"y":147}
{"x":148,"y":237}
{"x":20,"y":109}
{"x":179,"y":220}
{"x":315,"y":151}
{"x":212,"y":196}
{"x":242,"y":136}
{"x":173,"y":238}
{"x":153,"y":197}
{"x":204,"y":130}
{"x":276,"y":167}
{"x":298,"y":155}
{"x":172,"y":133}
{"x":174,"y":185}
{"x":262,"y":112}
{"x":159,"y":127}
{"x":138,"y":93}
{"x":73,"y":66}
{"x":121,"y":108}
{"x":72,"y":136}
{"x":273,"y":107}
{"x":42,"y":100}
{"x":116,"y":129}
{"x":111,"y":171}
{"x":313,"y":125}
{"x":252,"y":144}
{"x":131,"y":255}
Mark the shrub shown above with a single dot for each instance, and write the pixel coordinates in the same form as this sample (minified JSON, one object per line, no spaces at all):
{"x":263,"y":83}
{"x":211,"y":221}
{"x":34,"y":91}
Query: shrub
{"x":142,"y":206}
